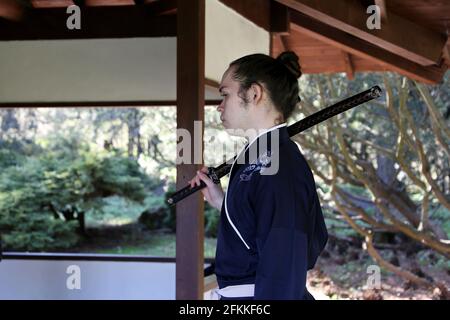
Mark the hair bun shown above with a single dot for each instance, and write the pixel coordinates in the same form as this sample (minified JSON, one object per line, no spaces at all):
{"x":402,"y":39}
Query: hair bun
{"x":290,"y":60}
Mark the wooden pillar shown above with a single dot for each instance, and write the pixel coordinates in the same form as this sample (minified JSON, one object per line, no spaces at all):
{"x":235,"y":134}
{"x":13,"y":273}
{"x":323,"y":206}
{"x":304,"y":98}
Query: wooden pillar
{"x":190,"y":108}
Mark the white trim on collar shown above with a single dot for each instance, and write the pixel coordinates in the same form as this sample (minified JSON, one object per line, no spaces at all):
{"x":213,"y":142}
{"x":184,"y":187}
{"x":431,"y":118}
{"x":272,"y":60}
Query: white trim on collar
{"x":231,"y":170}
{"x":284,"y":124}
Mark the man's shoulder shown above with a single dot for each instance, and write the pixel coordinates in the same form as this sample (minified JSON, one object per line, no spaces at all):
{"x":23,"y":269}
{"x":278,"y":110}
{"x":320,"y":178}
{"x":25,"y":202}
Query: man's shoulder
{"x":291,"y":154}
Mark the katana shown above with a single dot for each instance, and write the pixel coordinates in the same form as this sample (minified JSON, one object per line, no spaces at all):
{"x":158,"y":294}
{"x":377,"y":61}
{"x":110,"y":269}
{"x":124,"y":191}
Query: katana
{"x":215,"y":174}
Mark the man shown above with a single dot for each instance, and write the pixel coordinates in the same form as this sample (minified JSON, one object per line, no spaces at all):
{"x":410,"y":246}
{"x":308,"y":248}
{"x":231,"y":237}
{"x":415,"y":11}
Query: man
{"x":271,"y":229}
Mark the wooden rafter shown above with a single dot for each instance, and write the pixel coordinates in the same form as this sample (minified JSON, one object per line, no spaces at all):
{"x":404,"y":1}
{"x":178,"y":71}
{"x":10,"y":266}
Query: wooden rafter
{"x":50,"y":3}
{"x":278,"y":44}
{"x":359,"y":47}
{"x":212,"y":83}
{"x":11,"y":9}
{"x":398,"y":35}
{"x":446,"y":52}
{"x":382,"y":5}
{"x":108,"y":2}
{"x":349,"y":68}
{"x":97,"y":22}
{"x":270,"y":15}
{"x":275,"y":43}
{"x":66,"y":3}
{"x":285,"y":43}
{"x":89,"y":104}
{"x":279,"y":19}
{"x":161,"y":7}
{"x":80,"y":3}
{"x":260,"y":17}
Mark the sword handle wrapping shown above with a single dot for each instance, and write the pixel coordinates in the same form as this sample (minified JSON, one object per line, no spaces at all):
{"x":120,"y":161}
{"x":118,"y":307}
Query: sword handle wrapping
{"x":187,"y":191}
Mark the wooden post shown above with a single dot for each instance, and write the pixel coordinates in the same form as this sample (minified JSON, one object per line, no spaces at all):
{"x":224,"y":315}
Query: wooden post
{"x":190,"y":108}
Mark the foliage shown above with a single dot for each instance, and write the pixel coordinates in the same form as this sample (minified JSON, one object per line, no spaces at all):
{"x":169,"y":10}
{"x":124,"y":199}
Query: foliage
{"x":160,"y":215}
{"x":212,"y":216}
{"x":156,"y":244}
{"x":385,"y":162}
{"x":36,"y":192}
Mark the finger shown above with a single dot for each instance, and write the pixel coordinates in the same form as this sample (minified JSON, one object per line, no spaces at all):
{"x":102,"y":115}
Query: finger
{"x":205,"y":178}
{"x":204,"y":169}
{"x":197,"y":181}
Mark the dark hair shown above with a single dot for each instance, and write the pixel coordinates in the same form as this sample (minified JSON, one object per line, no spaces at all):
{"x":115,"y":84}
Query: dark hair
{"x":279,"y":77}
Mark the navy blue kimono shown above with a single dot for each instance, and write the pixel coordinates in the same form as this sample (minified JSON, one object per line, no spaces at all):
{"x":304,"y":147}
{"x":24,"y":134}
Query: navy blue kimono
{"x":271,"y":228}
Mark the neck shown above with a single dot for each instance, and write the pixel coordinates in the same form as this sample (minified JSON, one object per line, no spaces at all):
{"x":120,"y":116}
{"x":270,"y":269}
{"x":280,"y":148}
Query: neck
{"x":263,"y":122}
{"x":261,"y":117}
{"x":256,"y":132}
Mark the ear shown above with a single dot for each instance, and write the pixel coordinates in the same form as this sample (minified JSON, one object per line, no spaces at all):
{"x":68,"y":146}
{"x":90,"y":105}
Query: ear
{"x":255,"y":93}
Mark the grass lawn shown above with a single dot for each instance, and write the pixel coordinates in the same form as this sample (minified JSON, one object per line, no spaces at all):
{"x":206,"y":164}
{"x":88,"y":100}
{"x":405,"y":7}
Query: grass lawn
{"x":156,"y":244}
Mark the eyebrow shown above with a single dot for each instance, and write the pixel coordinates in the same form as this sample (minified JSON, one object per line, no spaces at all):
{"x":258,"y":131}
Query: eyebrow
{"x":221,"y":88}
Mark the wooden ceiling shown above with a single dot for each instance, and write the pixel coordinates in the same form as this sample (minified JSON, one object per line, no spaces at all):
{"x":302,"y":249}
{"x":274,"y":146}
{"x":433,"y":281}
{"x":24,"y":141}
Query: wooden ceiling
{"x":329,"y":36}
{"x":413,"y":39}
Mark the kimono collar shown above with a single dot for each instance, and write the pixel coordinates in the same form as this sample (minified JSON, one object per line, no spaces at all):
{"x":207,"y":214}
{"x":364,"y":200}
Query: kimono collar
{"x":284,"y":124}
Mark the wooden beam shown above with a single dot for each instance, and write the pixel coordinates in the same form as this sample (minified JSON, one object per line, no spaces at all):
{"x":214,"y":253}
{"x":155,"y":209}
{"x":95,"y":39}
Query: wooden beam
{"x":282,"y":43}
{"x":94,"y":104}
{"x":398,"y":35}
{"x":190,"y":97}
{"x":109,"y":2}
{"x":96,"y":22}
{"x":276,"y":45}
{"x":446,"y":52}
{"x":212,"y":83}
{"x":356,"y":46}
{"x":383,"y":9}
{"x":80,"y":3}
{"x":50,"y":3}
{"x":161,"y":7}
{"x":272,"y":44}
{"x":349,"y":69}
{"x":285,"y":43}
{"x":11,"y":9}
{"x":257,"y":11}
{"x":279,"y":19}
{"x":269,"y":15}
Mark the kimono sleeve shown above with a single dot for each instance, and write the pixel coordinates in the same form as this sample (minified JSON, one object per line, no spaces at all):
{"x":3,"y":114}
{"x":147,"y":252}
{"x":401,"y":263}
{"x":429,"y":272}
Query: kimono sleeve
{"x":281,"y":210}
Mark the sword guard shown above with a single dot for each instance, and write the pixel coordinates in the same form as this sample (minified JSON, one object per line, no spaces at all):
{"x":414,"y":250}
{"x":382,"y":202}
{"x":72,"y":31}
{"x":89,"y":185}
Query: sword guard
{"x":213,"y":176}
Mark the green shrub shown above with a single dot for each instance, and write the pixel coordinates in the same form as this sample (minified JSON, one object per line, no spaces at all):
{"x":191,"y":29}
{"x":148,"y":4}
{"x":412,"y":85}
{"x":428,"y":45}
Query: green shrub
{"x":41,"y":196}
{"x":212,"y":217}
